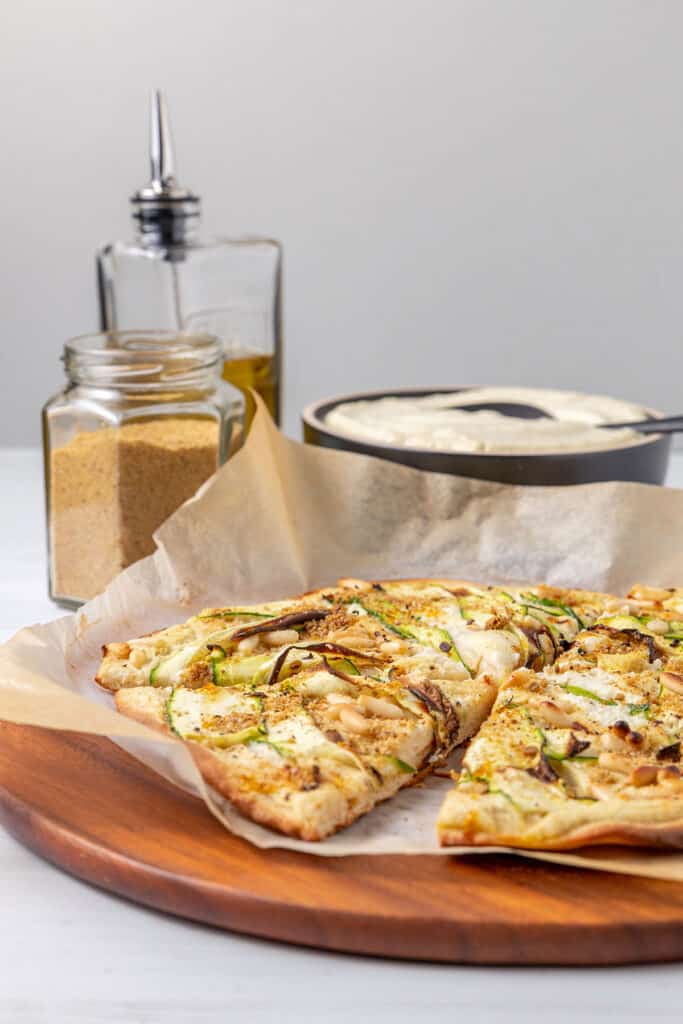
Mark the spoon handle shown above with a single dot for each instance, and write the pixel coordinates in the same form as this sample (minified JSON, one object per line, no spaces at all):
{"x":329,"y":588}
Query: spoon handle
{"x":667,"y":425}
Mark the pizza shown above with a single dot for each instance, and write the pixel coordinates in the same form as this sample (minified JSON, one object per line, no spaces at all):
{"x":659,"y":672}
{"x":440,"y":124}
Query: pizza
{"x":587,"y":750}
{"x":307,"y":713}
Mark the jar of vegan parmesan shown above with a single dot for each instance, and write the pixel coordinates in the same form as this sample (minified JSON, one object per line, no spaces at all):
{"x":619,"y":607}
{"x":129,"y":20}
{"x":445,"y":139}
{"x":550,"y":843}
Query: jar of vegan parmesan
{"x":143,"y":421}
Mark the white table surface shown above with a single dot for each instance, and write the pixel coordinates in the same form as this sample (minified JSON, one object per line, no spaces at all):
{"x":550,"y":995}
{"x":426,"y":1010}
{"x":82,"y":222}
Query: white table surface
{"x":71,"y":954}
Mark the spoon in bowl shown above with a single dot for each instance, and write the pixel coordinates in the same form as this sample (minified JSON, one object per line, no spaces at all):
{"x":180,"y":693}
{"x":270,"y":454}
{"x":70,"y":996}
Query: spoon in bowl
{"x":521,"y":411}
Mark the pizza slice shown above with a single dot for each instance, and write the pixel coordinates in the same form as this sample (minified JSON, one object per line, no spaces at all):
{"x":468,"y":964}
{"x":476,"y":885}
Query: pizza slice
{"x":306,"y":758}
{"x":306,"y":713}
{"x":586,"y":751}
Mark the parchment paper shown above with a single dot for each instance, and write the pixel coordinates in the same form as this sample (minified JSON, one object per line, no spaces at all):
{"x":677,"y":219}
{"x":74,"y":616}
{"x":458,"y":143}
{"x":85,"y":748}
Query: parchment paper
{"x":282,"y":517}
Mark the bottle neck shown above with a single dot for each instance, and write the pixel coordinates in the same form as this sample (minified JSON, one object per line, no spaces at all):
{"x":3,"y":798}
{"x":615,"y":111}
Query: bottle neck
{"x":165,"y":224}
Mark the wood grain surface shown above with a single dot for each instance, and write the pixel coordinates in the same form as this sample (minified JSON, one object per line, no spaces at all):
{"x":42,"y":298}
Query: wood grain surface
{"x":90,"y":808}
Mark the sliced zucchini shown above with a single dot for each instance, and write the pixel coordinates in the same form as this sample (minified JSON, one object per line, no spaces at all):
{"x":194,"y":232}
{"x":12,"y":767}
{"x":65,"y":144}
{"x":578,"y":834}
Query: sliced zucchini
{"x":166,"y":671}
{"x":200,"y":715}
{"x":625,"y":622}
{"x":579,"y":691}
{"x":554,"y":607}
{"x":429,"y":636}
{"x":249,"y":671}
{"x":440,"y":640}
{"x":345,"y":665}
{"x":236,"y":613}
{"x":401,"y":766}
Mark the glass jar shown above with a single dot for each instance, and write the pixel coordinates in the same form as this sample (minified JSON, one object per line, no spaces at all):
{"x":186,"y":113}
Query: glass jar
{"x":143,"y":421}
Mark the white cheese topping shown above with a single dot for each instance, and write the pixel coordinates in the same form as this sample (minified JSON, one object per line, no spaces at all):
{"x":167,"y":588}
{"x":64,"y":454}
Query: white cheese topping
{"x":486,"y":651}
{"x":300,"y":736}
{"x":435,"y":422}
{"x":193,"y":711}
{"x":604,"y":687}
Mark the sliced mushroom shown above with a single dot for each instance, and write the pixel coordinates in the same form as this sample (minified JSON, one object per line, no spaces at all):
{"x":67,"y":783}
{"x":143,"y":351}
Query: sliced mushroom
{"x":281,"y":622}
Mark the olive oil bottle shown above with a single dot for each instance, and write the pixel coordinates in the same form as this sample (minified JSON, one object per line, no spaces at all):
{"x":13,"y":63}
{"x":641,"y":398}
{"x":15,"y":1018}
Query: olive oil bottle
{"x":171,"y":277}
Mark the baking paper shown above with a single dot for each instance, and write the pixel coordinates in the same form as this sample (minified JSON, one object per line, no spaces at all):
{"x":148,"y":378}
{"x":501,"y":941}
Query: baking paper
{"x":281,"y":518}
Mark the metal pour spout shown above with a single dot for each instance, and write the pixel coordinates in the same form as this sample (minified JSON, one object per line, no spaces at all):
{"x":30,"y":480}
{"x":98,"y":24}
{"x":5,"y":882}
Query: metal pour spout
{"x":163,"y":185}
{"x":166,"y":213}
{"x":162,"y":157}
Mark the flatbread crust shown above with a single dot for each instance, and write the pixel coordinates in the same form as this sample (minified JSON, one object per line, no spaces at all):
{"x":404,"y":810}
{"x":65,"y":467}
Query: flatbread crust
{"x":312,"y":815}
{"x":668,"y":835}
{"x":556,"y":633}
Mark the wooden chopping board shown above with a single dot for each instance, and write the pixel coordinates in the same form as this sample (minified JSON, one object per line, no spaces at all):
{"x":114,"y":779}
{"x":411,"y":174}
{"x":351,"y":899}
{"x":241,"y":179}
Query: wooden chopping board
{"x":84,"y":804}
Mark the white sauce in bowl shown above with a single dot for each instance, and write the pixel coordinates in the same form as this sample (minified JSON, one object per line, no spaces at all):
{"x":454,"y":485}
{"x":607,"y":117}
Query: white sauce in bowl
{"x":435,"y":422}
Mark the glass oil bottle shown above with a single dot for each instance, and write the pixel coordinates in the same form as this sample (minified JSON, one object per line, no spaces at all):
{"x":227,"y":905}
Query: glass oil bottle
{"x":170,"y":277}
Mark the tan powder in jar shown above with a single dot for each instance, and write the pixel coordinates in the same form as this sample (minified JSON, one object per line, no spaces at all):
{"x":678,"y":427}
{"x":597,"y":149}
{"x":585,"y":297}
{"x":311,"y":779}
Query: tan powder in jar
{"x":111,"y":488}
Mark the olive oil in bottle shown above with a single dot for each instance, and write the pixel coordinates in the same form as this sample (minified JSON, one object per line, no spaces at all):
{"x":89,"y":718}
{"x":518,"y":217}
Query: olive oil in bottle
{"x":171,"y":277}
{"x":256,"y":371}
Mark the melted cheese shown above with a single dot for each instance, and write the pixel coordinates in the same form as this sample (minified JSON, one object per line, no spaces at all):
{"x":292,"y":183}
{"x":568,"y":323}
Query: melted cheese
{"x":300,"y":737}
{"x":603,"y":685}
{"x":193,"y":711}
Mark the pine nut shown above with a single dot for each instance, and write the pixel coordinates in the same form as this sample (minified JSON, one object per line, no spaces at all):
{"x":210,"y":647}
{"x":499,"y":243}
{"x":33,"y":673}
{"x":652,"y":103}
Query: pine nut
{"x":672,"y":681}
{"x":249,"y":644}
{"x":643,"y":775}
{"x":279,"y":637}
{"x":380,"y":708}
{"x":352,"y":719}
{"x":636,"y":607}
{"x":359,"y":641}
{"x":610,"y":741}
{"x":138,"y":657}
{"x":552,"y":715}
{"x":615,"y":763}
{"x":658,"y":626}
{"x":391,"y":647}
{"x":117,"y":650}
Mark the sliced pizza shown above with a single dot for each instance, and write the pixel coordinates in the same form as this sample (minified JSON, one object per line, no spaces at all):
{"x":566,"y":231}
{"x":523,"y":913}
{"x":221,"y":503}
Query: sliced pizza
{"x":586,"y":751}
{"x":306,"y":713}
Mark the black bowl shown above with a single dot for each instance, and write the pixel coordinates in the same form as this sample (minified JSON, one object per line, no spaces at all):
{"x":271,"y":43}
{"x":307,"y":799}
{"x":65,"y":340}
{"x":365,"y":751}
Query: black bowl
{"x":646,"y":462}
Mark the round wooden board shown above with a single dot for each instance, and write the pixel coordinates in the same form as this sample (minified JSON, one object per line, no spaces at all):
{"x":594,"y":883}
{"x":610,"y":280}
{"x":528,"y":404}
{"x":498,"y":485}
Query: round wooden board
{"x":93,"y":810}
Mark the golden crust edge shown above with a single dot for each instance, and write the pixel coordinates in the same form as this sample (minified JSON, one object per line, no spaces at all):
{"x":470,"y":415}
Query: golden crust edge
{"x":665,"y":836}
{"x":256,"y":807}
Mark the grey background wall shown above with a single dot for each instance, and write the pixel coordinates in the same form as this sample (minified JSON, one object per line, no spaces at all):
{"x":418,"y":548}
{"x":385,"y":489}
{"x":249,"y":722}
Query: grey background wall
{"x":468,"y":191}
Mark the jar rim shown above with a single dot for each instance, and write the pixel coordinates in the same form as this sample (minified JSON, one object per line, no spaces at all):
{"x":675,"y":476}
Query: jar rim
{"x":137,"y":346}
{"x":142,"y":359}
